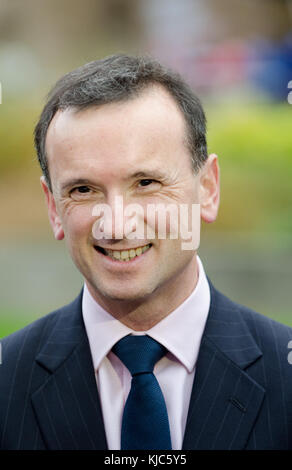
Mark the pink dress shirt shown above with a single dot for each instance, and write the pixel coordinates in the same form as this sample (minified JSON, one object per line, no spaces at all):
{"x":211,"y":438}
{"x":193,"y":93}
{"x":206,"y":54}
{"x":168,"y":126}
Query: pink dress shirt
{"x":180,"y":332}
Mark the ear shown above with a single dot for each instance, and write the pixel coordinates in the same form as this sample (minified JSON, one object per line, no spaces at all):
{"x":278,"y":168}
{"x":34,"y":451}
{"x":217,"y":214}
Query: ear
{"x":210,"y":189}
{"x":54,"y":218}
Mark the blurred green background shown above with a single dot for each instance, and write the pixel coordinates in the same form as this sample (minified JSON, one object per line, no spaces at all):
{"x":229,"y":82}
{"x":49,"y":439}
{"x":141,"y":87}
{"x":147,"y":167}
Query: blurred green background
{"x":236,"y":57}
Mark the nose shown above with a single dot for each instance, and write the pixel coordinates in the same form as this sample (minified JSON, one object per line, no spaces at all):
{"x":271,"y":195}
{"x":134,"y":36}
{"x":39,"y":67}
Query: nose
{"x":115,"y":220}
{"x":109,"y":224}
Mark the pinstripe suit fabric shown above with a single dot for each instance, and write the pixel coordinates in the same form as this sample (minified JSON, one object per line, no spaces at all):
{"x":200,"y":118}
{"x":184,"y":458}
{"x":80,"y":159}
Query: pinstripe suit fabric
{"x":241,"y":397}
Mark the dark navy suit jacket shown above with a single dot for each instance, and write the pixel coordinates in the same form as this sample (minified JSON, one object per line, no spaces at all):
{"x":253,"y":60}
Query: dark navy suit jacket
{"x":241,"y":396}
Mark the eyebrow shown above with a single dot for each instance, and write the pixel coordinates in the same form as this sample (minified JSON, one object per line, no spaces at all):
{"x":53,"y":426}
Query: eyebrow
{"x":148,"y":173}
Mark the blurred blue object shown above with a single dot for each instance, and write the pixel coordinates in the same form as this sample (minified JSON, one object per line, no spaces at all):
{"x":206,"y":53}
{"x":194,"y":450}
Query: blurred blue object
{"x":270,"y":70}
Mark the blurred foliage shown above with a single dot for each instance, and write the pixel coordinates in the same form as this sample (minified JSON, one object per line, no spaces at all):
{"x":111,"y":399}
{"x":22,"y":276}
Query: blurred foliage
{"x":254,"y":145}
{"x":17,"y":118}
{"x":13,"y":321}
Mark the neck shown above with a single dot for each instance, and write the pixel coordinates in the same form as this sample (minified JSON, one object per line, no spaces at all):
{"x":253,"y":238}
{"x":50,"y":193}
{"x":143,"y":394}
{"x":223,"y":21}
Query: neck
{"x":143,"y":314}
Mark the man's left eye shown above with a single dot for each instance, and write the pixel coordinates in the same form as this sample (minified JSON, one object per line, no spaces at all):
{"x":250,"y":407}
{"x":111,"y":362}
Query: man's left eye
{"x":81,"y":189}
{"x":80,"y":192}
{"x":146,"y":182}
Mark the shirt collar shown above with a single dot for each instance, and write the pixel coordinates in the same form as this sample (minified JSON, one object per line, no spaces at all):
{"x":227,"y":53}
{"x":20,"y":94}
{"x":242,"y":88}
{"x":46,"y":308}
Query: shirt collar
{"x":180,"y":332}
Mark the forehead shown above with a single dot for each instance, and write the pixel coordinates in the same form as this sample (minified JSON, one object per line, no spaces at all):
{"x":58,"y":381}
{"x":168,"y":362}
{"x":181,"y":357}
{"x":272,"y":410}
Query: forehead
{"x":148,"y":125}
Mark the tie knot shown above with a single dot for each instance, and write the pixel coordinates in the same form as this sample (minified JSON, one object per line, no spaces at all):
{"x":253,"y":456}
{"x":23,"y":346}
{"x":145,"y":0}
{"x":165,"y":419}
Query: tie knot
{"x":139,"y":353}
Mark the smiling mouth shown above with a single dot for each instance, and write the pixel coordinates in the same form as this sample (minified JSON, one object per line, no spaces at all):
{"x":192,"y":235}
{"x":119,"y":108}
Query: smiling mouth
{"x":124,"y":255}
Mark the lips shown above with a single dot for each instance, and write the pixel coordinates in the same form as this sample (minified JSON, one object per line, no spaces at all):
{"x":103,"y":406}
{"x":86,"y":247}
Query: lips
{"x":124,"y":255}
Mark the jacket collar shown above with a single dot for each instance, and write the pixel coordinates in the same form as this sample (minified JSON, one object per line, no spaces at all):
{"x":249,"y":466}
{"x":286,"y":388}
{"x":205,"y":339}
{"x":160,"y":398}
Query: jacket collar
{"x":229,"y":333}
{"x":65,"y":336}
{"x":224,"y":328}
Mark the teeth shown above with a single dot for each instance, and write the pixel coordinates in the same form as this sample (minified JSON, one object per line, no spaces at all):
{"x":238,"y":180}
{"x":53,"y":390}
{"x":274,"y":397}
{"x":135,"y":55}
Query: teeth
{"x":127,"y":255}
{"x":132,"y":253}
{"x":116,"y":254}
{"x":124,"y":254}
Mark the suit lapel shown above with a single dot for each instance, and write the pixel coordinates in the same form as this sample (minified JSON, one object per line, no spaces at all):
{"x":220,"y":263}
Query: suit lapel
{"x":225,"y":400}
{"x":67,"y":405}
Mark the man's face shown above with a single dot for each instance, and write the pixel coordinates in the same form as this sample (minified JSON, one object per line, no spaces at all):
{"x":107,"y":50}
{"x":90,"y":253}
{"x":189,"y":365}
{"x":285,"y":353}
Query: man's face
{"x":135,"y":150}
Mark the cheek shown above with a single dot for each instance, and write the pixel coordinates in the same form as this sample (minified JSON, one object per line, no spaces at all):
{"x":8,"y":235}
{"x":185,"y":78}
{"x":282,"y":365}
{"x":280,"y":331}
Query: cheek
{"x":159,"y":217}
{"x":174,"y":221}
{"x":77,"y":222}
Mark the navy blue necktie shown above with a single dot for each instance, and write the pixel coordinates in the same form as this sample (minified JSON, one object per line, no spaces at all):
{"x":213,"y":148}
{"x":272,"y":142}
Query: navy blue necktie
{"x":145,"y":422}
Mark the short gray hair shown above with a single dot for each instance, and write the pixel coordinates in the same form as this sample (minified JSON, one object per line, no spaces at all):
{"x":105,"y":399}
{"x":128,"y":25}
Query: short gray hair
{"x":120,"y":78}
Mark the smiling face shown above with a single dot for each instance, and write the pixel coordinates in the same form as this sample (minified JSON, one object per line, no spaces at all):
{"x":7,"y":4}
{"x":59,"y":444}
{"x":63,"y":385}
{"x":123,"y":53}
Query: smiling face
{"x":135,"y":150}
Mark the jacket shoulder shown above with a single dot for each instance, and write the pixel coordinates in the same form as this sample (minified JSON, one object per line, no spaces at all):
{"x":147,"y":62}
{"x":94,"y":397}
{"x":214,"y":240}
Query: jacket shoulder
{"x":232,"y":318}
{"x":22,"y":346}
{"x":272,"y":336}
{"x":21,"y":375}
{"x":26,"y":342}
{"x":259,"y":325}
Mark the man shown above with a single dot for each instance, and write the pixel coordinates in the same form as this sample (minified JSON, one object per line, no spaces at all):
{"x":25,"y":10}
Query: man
{"x":119,"y":132}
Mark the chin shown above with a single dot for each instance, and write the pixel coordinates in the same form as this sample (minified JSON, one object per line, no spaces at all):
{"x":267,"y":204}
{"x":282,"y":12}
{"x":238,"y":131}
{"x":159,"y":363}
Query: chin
{"x":124,"y":294}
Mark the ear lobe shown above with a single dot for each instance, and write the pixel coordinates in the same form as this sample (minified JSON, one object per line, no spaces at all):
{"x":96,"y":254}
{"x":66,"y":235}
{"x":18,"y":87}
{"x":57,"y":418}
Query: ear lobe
{"x":58,"y":230}
{"x":210,"y":189}
{"x":54,"y":218}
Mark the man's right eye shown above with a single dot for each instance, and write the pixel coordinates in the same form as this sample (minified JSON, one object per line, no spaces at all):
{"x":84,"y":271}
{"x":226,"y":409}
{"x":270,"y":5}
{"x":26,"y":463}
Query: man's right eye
{"x":80,"y":189}
{"x":80,"y":192}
